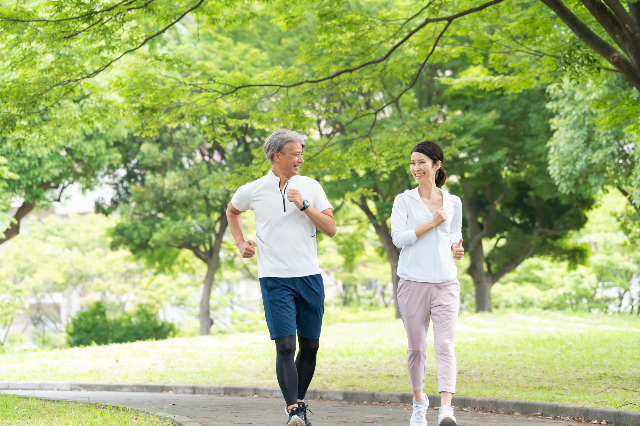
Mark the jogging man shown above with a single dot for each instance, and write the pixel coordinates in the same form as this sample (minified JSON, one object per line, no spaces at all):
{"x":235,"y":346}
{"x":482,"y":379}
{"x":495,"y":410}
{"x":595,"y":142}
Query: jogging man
{"x":288,"y":209}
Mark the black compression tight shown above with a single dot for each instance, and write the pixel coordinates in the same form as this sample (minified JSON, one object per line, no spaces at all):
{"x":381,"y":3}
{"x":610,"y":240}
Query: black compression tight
{"x":294,"y":376}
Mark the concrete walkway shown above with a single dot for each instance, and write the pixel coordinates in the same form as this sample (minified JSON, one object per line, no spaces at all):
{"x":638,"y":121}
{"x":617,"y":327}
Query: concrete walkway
{"x":212,"y":410}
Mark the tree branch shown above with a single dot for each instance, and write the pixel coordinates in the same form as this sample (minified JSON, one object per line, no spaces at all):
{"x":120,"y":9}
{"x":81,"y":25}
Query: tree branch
{"x":611,"y":24}
{"x":14,"y":228}
{"x":73,"y":18}
{"x":510,"y":266}
{"x":111,"y":62}
{"x":628,"y":197}
{"x":634,"y":10}
{"x":427,"y":21}
{"x":486,"y":220}
{"x":595,"y":42}
{"x":630,"y":26}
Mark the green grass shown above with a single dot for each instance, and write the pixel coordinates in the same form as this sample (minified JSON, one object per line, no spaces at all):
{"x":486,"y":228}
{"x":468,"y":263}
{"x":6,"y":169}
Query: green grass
{"x":536,"y":356}
{"x":16,"y":410}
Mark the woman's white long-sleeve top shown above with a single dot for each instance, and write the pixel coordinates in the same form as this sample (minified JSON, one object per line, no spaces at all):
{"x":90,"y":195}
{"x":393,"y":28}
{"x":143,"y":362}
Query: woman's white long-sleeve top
{"x":428,"y":259}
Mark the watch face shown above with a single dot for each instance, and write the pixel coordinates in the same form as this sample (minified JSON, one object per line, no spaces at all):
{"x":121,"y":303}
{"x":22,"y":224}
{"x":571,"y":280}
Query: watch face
{"x":305,"y":204}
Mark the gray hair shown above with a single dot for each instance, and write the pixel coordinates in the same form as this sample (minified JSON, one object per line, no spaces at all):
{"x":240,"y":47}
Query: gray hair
{"x":278,"y":139}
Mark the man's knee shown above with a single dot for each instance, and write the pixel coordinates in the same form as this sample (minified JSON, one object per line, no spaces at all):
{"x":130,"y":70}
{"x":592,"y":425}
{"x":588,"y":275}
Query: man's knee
{"x":309,"y":345}
{"x":286,"y":346}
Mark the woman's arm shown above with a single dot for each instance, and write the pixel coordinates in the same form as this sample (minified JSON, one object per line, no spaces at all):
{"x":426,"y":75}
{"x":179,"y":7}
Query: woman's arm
{"x":438,"y":219}
{"x":400,"y":235}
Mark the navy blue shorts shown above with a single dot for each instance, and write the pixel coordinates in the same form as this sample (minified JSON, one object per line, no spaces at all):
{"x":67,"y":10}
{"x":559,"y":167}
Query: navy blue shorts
{"x":293,"y":304}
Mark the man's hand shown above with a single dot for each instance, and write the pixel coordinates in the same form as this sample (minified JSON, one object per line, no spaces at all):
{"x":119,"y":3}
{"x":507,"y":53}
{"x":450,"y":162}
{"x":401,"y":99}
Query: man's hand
{"x":458,"y":251}
{"x":295,"y":197}
{"x":247,"y":249}
{"x":439,"y":217}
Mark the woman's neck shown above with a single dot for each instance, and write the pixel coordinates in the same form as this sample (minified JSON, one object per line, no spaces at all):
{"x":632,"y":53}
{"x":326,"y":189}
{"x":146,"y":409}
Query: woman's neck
{"x":428,"y":190}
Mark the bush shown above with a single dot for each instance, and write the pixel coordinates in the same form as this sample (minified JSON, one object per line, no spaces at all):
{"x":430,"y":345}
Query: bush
{"x":142,"y":325}
{"x":93,"y":326}
{"x":89,"y":326}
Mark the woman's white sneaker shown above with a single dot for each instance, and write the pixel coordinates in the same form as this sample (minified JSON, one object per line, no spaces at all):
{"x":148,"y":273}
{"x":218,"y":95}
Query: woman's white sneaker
{"x":419,"y":415}
{"x":446,"y":417}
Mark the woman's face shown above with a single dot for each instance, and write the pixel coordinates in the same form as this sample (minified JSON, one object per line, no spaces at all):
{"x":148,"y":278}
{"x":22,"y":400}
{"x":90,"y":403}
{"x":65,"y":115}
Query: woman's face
{"x":423,"y":168}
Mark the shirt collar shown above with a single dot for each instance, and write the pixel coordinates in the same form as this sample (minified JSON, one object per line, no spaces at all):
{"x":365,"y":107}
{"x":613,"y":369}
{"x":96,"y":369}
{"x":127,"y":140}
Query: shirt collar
{"x":273,"y":178}
{"x":415,"y":194}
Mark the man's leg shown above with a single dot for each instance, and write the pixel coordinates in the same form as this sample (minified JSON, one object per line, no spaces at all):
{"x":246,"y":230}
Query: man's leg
{"x":279,"y":300}
{"x":306,"y":364}
{"x":286,"y":369}
{"x":310,"y":310}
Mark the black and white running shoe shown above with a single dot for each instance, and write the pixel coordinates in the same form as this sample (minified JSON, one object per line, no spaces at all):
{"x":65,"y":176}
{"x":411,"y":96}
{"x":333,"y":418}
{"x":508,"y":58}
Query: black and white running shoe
{"x":303,"y":410}
{"x":295,"y":417}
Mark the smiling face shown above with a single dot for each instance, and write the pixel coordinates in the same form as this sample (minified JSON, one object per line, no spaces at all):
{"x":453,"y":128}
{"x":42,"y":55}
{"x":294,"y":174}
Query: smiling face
{"x":423,"y":168}
{"x":289,"y":159}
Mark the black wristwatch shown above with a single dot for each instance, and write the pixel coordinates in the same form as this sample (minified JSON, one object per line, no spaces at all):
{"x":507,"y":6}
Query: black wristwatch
{"x":305,"y":205}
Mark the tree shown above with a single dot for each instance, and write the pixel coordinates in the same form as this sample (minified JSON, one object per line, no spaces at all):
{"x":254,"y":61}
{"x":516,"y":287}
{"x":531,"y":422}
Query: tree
{"x":509,"y":199}
{"x":178,"y":202}
{"x":594,"y":146}
{"x":69,"y":145}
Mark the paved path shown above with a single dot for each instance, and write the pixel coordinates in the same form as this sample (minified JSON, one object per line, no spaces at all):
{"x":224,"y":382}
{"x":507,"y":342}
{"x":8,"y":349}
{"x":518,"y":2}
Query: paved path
{"x":210,"y":410}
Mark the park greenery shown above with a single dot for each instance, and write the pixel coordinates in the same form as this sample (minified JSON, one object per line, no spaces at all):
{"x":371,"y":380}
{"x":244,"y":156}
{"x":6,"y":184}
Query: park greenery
{"x":533,"y":356}
{"x":535,"y":104}
{"x":95,"y":327}
{"x":27,"y":411}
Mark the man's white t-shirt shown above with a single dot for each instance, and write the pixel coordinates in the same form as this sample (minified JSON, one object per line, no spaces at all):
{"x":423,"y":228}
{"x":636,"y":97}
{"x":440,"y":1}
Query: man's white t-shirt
{"x":286,"y":237}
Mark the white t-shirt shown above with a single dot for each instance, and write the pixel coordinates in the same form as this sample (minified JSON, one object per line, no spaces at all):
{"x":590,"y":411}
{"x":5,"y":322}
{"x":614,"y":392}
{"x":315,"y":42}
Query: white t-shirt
{"x":286,"y":237}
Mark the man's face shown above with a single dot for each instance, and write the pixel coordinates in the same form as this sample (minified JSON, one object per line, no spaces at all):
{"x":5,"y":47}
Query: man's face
{"x":289,"y":158}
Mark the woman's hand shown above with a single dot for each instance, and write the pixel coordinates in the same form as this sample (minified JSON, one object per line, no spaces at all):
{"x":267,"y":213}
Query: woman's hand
{"x":439,"y":218}
{"x":457,"y":249}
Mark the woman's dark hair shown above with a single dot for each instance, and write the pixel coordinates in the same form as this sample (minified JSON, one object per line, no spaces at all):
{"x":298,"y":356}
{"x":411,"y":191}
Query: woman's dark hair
{"x":433,"y":151}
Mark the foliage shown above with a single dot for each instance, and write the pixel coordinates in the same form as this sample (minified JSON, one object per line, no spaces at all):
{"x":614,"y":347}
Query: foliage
{"x":352,"y":260}
{"x":89,"y":327}
{"x":61,"y":259}
{"x":607,"y":283}
{"x":94,"y":327}
{"x":143,"y":324}
{"x":177,"y":201}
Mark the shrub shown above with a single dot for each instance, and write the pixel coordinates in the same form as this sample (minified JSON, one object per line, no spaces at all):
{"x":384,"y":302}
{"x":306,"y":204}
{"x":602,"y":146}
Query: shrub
{"x":93,"y":326}
{"x":89,"y":326}
{"x":142,"y":325}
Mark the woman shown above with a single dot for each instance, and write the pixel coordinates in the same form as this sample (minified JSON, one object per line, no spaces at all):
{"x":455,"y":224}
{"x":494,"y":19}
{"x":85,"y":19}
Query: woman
{"x":426,"y":223}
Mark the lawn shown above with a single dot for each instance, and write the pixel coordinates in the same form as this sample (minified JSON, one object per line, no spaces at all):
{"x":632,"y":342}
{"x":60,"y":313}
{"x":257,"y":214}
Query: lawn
{"x":536,"y":356}
{"x":16,"y":410}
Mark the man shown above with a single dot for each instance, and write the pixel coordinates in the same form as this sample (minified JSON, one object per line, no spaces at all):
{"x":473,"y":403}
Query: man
{"x":288,"y":209}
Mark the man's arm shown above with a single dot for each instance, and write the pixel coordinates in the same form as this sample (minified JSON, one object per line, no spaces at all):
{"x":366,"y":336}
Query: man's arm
{"x":323,"y":220}
{"x":246,"y":248}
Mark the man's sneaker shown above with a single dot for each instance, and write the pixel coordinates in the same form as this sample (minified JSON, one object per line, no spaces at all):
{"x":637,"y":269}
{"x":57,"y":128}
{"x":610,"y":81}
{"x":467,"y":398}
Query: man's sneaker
{"x":446,"y":417}
{"x":303,"y":410}
{"x":419,"y":415}
{"x":295,"y":417}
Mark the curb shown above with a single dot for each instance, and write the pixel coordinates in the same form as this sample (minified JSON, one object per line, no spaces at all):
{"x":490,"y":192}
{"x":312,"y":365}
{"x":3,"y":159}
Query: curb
{"x":611,"y":416}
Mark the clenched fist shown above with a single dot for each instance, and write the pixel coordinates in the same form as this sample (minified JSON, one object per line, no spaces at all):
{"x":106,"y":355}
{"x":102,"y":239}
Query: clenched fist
{"x":295,"y":197}
{"x":458,"y":250}
{"x":247,"y":248}
{"x":439,"y":217}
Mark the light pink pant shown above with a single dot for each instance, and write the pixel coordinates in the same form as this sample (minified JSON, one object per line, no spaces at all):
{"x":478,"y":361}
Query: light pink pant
{"x":418,"y":303}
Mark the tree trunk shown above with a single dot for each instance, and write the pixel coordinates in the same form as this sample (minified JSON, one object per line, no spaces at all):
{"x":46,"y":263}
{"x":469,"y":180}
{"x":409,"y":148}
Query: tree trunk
{"x":213,"y":262}
{"x":394,"y":258}
{"x":393,"y":254}
{"x":481,"y":281}
{"x":14,"y":228}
